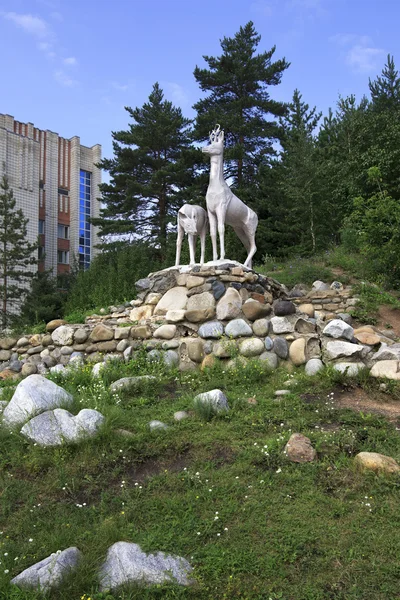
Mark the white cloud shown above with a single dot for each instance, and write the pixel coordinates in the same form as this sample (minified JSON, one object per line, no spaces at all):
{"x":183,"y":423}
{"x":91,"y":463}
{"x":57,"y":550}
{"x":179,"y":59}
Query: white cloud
{"x":177,"y":93}
{"x":121,"y":87}
{"x":70,"y":61}
{"x":64,"y":79}
{"x":30,"y":24}
{"x":358,"y":51}
{"x":364,"y":58}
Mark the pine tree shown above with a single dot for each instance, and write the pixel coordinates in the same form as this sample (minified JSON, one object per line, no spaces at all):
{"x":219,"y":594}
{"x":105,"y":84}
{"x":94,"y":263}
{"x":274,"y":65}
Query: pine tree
{"x":385,"y":90}
{"x":43,"y":302}
{"x":238,"y":83}
{"x":299,"y":173}
{"x":148,"y":172}
{"x":16,"y":254}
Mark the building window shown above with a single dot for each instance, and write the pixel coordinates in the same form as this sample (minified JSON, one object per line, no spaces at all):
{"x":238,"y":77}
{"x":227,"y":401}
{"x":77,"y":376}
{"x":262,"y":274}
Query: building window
{"x":63,"y":232}
{"x":63,"y":257}
{"x":41,"y":226}
{"x":85,"y":190}
{"x":41,"y":253}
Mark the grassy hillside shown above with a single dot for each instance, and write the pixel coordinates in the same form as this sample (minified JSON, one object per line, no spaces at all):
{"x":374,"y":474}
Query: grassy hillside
{"x":217,"y":490}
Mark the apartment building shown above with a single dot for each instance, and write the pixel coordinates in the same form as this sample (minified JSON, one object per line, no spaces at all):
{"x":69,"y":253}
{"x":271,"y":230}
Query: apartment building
{"x":56,"y":184}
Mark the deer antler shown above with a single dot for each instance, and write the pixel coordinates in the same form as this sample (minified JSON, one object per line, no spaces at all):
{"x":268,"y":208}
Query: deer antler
{"x":215,"y":133}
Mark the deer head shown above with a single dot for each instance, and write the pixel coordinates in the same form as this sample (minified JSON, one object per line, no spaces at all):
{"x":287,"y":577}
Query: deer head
{"x":216,"y":145}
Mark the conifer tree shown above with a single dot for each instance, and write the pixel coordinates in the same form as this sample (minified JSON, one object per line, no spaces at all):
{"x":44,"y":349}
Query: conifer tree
{"x":148,"y":173}
{"x":16,"y":254}
{"x":237,"y":83}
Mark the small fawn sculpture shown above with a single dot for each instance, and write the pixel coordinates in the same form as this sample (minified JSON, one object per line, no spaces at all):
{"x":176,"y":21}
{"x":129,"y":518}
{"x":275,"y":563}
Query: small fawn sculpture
{"x":192,"y":220}
{"x":224,"y":207}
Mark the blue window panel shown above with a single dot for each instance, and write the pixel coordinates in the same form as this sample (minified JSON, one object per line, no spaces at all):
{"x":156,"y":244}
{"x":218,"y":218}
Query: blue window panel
{"x":80,"y":249}
{"x":87,"y":251}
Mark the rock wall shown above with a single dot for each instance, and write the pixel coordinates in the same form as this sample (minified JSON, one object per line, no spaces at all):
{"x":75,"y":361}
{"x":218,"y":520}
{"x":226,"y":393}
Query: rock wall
{"x":192,"y":316}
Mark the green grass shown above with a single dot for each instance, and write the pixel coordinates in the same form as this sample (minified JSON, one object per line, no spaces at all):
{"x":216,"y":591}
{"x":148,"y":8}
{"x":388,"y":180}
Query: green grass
{"x":284,"y":530}
{"x":299,"y":270}
{"x":371,"y":297}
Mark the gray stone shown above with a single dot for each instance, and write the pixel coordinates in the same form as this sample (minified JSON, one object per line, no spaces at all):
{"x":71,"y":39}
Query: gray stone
{"x":97,"y":368}
{"x":66,"y":350}
{"x":261,"y":327}
{"x":388,"y":369}
{"x":175,"y":316}
{"x":170,"y":344}
{"x":251,"y":347}
{"x":58,"y":369}
{"x":170,"y":358}
{"x":131,"y":383}
{"x":56,"y":427}
{"x":32,"y":396}
{"x":319,"y":286}
{"x":268,"y":343}
{"x":255,"y":310}
{"x":5,"y":355}
{"x":201,"y":302}
{"x":214,"y":398}
{"x":336,"y":285}
{"x":41,"y":369}
{"x":238,"y":328}
{"x":165,"y":332}
{"x":281,"y":325}
{"x":283,"y":308}
{"x":346,"y":317}
{"x":218,"y":289}
{"x":341,"y":349}
{"x":101,"y":333}
{"x":313,"y":366}
{"x":386,"y":352}
{"x":128,"y":353}
{"x":77,"y":359}
{"x":281,"y":348}
{"x":49,"y":361}
{"x":122,"y":345}
{"x":225,"y":348}
{"x":180,"y":415}
{"x":154,"y":356}
{"x":270,"y":358}
{"x":338,"y":329}
{"x":22,"y":342}
{"x":348,"y":368}
{"x":280,"y":393}
{"x":229,"y":306}
{"x":3,"y":404}
{"x":305,"y":326}
{"x":121,"y":333}
{"x":6,"y":343}
{"x":127,"y":563}
{"x":28,"y":369}
{"x":63,"y":336}
{"x":174,"y":299}
{"x":80,"y":336}
{"x":154,"y":425}
{"x":49,"y":572}
{"x":212,"y":329}
{"x":15,"y":365}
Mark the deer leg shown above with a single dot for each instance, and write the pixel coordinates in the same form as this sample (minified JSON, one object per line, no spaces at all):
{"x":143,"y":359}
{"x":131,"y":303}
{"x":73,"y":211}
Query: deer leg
{"x":202,"y":244}
{"x":221,"y":232}
{"x":179,"y":244}
{"x":213,"y":233}
{"x":245,"y":238}
{"x":192,"y":238}
{"x":250,"y":235}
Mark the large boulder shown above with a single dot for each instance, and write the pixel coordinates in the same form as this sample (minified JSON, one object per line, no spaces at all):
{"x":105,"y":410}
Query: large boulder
{"x":126,"y":563}
{"x":34,"y":395}
{"x":56,"y":427}
{"x":214,"y":398}
{"x":63,"y":336}
{"x":299,"y":449}
{"x":251,"y":347}
{"x":49,"y":572}
{"x":212,"y":329}
{"x":174,"y":299}
{"x":229,"y":307}
{"x":389,"y":369}
{"x":339,"y":329}
{"x":340,"y":349}
{"x":374,"y":461}
{"x":254,"y":310}
{"x":238,"y":328}
{"x":131,"y":383}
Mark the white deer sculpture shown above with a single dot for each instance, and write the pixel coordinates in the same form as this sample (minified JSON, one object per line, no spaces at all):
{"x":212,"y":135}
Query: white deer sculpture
{"x":223,"y":206}
{"x":193,"y":221}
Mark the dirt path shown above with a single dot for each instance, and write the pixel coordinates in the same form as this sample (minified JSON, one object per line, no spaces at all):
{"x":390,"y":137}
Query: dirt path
{"x":358,"y":400}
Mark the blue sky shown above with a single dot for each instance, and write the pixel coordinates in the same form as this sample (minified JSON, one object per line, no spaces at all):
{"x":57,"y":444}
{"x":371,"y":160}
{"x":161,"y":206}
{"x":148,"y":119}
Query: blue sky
{"x":84,"y":60}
